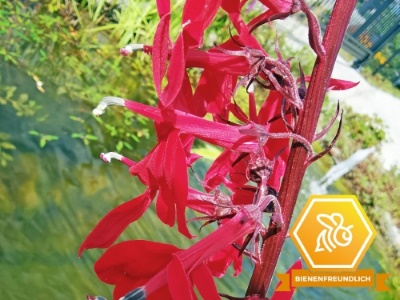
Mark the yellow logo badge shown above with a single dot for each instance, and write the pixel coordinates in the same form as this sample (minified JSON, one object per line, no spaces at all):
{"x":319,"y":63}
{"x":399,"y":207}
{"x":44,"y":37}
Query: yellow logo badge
{"x":333,"y":233}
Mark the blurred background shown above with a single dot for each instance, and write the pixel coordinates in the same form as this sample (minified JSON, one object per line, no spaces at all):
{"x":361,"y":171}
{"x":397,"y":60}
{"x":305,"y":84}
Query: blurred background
{"x":58,"y":59}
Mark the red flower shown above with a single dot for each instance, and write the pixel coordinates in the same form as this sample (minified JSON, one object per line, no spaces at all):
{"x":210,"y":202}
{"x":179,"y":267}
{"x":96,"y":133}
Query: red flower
{"x":113,"y":224}
{"x":131,"y":264}
{"x":170,"y":182}
{"x":197,"y":15}
{"x":251,"y":165}
{"x":162,"y":271}
{"x":215,"y":133}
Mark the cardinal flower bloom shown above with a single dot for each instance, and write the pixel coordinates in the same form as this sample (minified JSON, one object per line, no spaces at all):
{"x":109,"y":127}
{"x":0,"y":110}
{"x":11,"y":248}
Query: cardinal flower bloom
{"x":261,"y":164}
{"x":150,"y":270}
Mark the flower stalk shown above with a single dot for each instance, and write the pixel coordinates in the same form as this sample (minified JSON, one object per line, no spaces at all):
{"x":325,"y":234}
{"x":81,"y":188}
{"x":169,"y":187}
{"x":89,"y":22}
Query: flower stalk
{"x":296,"y":167}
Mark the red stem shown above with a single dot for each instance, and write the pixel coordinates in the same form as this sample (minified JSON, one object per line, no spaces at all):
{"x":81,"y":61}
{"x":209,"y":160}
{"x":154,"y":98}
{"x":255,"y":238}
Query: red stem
{"x":296,"y":167}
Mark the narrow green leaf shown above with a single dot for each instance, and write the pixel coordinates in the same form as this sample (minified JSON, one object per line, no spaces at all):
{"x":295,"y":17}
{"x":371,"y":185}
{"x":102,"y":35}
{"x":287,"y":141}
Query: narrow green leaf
{"x":42,"y":142}
{"x":127,"y":145}
{"x":91,"y":137}
{"x":119,"y":146}
{"x":76,"y":135}
{"x":6,"y":145}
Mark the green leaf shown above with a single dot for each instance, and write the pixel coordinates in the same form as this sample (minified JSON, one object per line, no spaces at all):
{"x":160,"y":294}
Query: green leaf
{"x":61,"y":90}
{"x":76,"y":135}
{"x":7,"y":156}
{"x":127,"y":145}
{"x":6,"y":145}
{"x":23,"y":98}
{"x":42,"y":142}
{"x":51,"y":137}
{"x":4,"y":136}
{"x":77,"y":119}
{"x":33,"y":132}
{"x":91,"y":137}
{"x":10,"y":91}
{"x":135,"y":138}
{"x":119,"y":146}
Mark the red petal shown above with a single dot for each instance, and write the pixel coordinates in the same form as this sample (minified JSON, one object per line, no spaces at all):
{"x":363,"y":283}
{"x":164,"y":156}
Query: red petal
{"x":216,"y":61}
{"x":165,"y":209}
{"x":142,"y":170}
{"x":178,"y":282}
{"x":238,"y":112}
{"x":184,"y":100}
{"x":252,"y":107}
{"x":287,"y":295}
{"x":134,"y":259}
{"x":200,"y":202}
{"x":278,"y":5}
{"x":233,"y":8}
{"x":113,"y":223}
{"x":218,"y":170}
{"x":127,"y":284}
{"x":163,"y":7}
{"x":176,"y":178}
{"x":162,"y":293}
{"x":197,"y":15}
{"x":160,"y":51}
{"x":262,"y":18}
{"x":338,"y":84}
{"x":243,"y":195}
{"x":202,"y":278}
{"x":215,"y":89}
{"x":219,"y":262}
{"x":155,"y":162}
{"x":216,"y":133}
{"x":270,"y":108}
{"x":279,"y":170}
{"x":176,"y":70}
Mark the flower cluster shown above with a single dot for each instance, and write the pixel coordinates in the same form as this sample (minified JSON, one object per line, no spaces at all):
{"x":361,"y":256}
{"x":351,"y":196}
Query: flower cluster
{"x":255,"y":151}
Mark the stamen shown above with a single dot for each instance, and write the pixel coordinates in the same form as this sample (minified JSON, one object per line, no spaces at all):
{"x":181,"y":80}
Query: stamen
{"x":250,"y":88}
{"x":136,"y":294}
{"x":186,"y":23}
{"x":129,"y":49}
{"x":110,"y":155}
{"x":106,"y":101}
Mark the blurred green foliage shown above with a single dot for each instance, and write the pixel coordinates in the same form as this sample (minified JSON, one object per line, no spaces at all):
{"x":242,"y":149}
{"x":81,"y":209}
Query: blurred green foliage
{"x":377,"y":189}
{"x":380,"y":81}
{"x":43,"y":137}
{"x":74,"y":45}
{"x":5,"y":148}
{"x":21,"y":103}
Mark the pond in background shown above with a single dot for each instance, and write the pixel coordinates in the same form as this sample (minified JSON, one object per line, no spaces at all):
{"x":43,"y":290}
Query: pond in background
{"x":51,"y":197}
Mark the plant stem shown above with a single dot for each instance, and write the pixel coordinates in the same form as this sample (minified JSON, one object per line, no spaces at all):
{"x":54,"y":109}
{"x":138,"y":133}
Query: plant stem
{"x":296,"y":165}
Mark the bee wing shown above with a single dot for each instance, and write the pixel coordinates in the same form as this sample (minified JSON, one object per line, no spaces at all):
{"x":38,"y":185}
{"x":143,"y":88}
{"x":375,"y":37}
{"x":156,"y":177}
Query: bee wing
{"x":326,"y":220}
